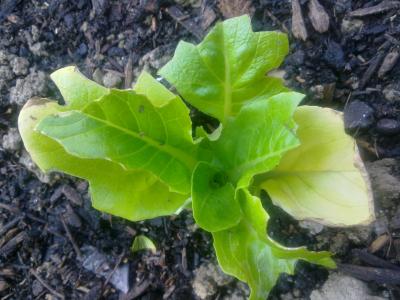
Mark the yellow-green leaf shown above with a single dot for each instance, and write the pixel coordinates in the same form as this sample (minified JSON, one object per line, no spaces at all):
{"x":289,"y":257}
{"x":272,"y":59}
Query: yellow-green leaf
{"x":323,"y":179}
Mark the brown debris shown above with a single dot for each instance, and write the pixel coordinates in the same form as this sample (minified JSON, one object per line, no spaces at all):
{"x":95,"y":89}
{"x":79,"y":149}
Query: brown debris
{"x":128,"y":72}
{"x":46,"y":285}
{"x":379,"y":243}
{"x":235,"y":8}
{"x":377,"y":9}
{"x":298,"y":26}
{"x":177,"y":14}
{"x":207,"y":17}
{"x":388,"y":62}
{"x":374,"y":64}
{"x":12,"y":244}
{"x":318,"y":16}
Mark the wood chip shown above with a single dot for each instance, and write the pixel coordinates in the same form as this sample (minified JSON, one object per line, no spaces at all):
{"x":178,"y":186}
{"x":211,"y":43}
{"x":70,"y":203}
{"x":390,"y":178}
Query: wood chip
{"x":318,"y":16}
{"x":176,"y":13}
{"x":207,"y":18}
{"x":235,"y":8}
{"x":377,"y":9}
{"x":379,"y":243}
{"x":379,"y":275}
{"x":298,"y":27}
{"x":12,"y":244}
{"x":388,"y":62}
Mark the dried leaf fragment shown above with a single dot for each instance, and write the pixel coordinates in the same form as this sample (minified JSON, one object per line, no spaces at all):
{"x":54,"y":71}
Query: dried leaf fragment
{"x":318,"y":16}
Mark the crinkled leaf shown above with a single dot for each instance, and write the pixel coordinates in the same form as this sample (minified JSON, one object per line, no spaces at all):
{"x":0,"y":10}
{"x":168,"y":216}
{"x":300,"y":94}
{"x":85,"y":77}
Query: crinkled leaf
{"x":214,"y":204}
{"x":134,"y":195}
{"x":323,"y":179}
{"x":126,"y":128}
{"x":246,"y":252}
{"x":254,"y":141}
{"x":227,"y":69}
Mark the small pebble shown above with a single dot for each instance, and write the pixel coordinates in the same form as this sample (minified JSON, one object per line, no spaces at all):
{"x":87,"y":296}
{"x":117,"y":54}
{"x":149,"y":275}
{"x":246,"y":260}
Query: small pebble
{"x":334,"y":55}
{"x":388,"y":126}
{"x":358,"y":115}
{"x":111,"y":80}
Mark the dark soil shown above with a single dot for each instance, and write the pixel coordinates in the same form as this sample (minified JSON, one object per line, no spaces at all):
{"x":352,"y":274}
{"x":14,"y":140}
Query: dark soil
{"x":46,"y":225}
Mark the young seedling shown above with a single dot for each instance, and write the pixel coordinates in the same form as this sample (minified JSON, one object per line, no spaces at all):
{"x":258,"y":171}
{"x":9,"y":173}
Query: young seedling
{"x":138,"y":151}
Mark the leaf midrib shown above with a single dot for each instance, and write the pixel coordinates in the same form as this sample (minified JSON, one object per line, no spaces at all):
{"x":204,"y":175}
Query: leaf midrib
{"x":178,"y":154}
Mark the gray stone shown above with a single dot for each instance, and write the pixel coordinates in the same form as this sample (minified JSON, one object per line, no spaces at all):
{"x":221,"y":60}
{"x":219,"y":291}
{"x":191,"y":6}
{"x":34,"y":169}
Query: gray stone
{"x":28,"y":163}
{"x":358,"y":115}
{"x":392,"y":92}
{"x":111,"y":80}
{"x":351,"y":25}
{"x":20,"y":65}
{"x":6,"y":73}
{"x":208,"y":277}
{"x":12,"y":140}
{"x":343,"y":287}
{"x":385,"y":184}
{"x":98,"y":76}
{"x":156,"y":58}
{"x":339,"y":244}
{"x":311,"y":226}
{"x":38,"y":49}
{"x":32,"y":85}
{"x":388,"y":126}
{"x":3,"y":57}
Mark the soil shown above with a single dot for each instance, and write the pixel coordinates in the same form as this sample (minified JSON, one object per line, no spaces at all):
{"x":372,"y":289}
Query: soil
{"x":48,"y":230}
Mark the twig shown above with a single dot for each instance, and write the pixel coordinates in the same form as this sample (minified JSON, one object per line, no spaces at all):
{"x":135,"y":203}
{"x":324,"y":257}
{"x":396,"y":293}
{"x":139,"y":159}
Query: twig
{"x":114,"y":269}
{"x":71,"y":239}
{"x":46,"y":285}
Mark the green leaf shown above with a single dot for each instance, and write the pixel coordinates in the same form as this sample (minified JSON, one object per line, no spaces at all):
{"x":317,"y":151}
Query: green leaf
{"x":75,"y":88}
{"x":126,"y":128}
{"x":323,"y":179}
{"x":227,"y":69}
{"x":155,"y":91}
{"x":246,"y":252}
{"x":134,"y":195}
{"x":142,"y":242}
{"x":214,"y":205}
{"x":254,"y":141}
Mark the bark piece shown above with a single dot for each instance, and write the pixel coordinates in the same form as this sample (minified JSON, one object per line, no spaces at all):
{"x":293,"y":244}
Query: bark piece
{"x":235,"y":8}
{"x":388,"y":62}
{"x":376,"y":9}
{"x":298,"y":26}
{"x":318,"y":16}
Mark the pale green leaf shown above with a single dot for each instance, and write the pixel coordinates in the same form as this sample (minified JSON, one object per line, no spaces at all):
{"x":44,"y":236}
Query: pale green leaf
{"x":214,"y":204}
{"x":324,"y":179}
{"x":142,"y":242}
{"x":158,"y":94}
{"x":134,"y":195}
{"x":126,"y":128}
{"x":246,"y":252}
{"x":227,"y":69}
{"x":254,"y":141}
{"x":75,"y":88}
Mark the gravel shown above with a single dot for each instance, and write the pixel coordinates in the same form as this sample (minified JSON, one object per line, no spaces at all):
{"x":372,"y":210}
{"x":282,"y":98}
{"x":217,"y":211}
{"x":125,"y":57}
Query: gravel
{"x":32,"y":85}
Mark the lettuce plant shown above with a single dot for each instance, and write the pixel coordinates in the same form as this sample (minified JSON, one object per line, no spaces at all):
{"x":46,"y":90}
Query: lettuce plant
{"x":142,"y":158}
